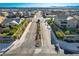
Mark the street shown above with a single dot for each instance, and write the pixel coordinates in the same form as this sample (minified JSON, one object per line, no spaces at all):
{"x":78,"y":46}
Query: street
{"x":27,"y":46}
{"x":46,"y":48}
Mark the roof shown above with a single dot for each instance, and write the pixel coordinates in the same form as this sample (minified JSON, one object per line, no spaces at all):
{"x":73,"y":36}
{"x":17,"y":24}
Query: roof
{"x":9,"y":20}
{"x":17,"y":20}
{"x":1,"y":19}
{"x":14,"y":22}
{"x":76,"y":16}
{"x":62,"y":16}
{"x":70,"y":18}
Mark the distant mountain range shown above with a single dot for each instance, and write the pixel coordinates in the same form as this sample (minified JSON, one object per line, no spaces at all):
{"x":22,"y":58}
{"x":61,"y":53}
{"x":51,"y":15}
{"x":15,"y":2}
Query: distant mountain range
{"x":39,"y":5}
{"x":64,"y":7}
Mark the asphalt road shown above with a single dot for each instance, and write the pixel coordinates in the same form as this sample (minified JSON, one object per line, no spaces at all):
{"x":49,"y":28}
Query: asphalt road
{"x":28,"y":46}
{"x":46,"y":49}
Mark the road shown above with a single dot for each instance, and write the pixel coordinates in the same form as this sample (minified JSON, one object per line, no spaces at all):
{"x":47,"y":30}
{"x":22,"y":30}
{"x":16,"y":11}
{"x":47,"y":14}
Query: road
{"x":46,"y":48}
{"x":28,"y":46}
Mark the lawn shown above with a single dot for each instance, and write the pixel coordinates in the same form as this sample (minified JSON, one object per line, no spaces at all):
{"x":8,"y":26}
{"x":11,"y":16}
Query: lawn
{"x":20,"y":29}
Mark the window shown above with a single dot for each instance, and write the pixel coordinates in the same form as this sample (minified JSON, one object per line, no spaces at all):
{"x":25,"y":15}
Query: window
{"x":63,"y":22}
{"x":64,"y":26}
{"x":69,"y":37}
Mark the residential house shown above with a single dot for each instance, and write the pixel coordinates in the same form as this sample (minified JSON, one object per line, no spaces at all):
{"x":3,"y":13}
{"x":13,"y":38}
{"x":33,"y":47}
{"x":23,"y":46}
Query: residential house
{"x":71,"y":37}
{"x":64,"y":21}
{"x":12,"y":21}
{"x":60,"y":20}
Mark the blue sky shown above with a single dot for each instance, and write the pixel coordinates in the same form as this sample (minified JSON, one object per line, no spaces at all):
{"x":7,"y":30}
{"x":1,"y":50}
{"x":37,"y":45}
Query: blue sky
{"x":39,"y":4}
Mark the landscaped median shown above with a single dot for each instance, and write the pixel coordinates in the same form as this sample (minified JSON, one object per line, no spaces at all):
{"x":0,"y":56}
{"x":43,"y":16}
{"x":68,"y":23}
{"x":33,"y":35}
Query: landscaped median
{"x":20,"y":29}
{"x":13,"y":32}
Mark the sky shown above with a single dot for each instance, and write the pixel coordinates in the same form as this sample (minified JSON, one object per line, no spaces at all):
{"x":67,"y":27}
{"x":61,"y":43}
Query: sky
{"x":39,"y":5}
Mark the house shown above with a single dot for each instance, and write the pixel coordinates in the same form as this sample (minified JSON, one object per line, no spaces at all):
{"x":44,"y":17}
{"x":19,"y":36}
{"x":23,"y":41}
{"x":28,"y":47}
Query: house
{"x":71,"y":22}
{"x":16,"y":22}
{"x":12,"y":21}
{"x":4,"y":13}
{"x":77,"y":18}
{"x":64,"y":21}
{"x":71,"y":37}
{"x":60,"y":20}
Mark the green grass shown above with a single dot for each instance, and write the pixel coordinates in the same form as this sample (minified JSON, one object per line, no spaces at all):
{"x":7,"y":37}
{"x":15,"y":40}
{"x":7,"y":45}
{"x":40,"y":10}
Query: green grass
{"x":4,"y":34}
{"x":14,"y":31}
{"x":21,"y":29}
{"x":70,"y":31}
{"x":50,"y":21}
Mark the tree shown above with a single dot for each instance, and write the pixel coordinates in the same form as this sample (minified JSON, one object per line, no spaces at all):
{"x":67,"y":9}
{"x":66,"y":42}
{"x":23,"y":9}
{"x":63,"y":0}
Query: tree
{"x":67,"y":32}
{"x":6,"y":30}
{"x":59,"y":34}
{"x":50,"y":21}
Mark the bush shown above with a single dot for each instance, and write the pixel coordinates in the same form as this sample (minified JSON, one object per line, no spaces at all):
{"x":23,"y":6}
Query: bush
{"x":50,"y":21}
{"x":59,"y":34}
{"x":11,"y":33}
{"x":14,"y":31}
{"x":20,"y":29}
{"x":6,"y":30}
{"x":15,"y":37}
{"x":67,"y":32}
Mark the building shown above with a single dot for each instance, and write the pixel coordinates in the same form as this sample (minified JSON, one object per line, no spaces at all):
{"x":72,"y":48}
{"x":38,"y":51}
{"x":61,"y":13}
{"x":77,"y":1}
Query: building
{"x":77,"y":18}
{"x":12,"y":21}
{"x":65,"y":21}
{"x":60,"y":20}
{"x":71,"y":37}
{"x":71,"y":22}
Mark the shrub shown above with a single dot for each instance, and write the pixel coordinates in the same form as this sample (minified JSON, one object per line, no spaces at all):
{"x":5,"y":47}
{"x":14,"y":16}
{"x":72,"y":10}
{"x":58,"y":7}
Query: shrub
{"x":20,"y":29}
{"x":67,"y":32}
{"x":4,"y":34}
{"x":59,"y":34}
{"x":15,"y":36}
{"x":6,"y":30}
